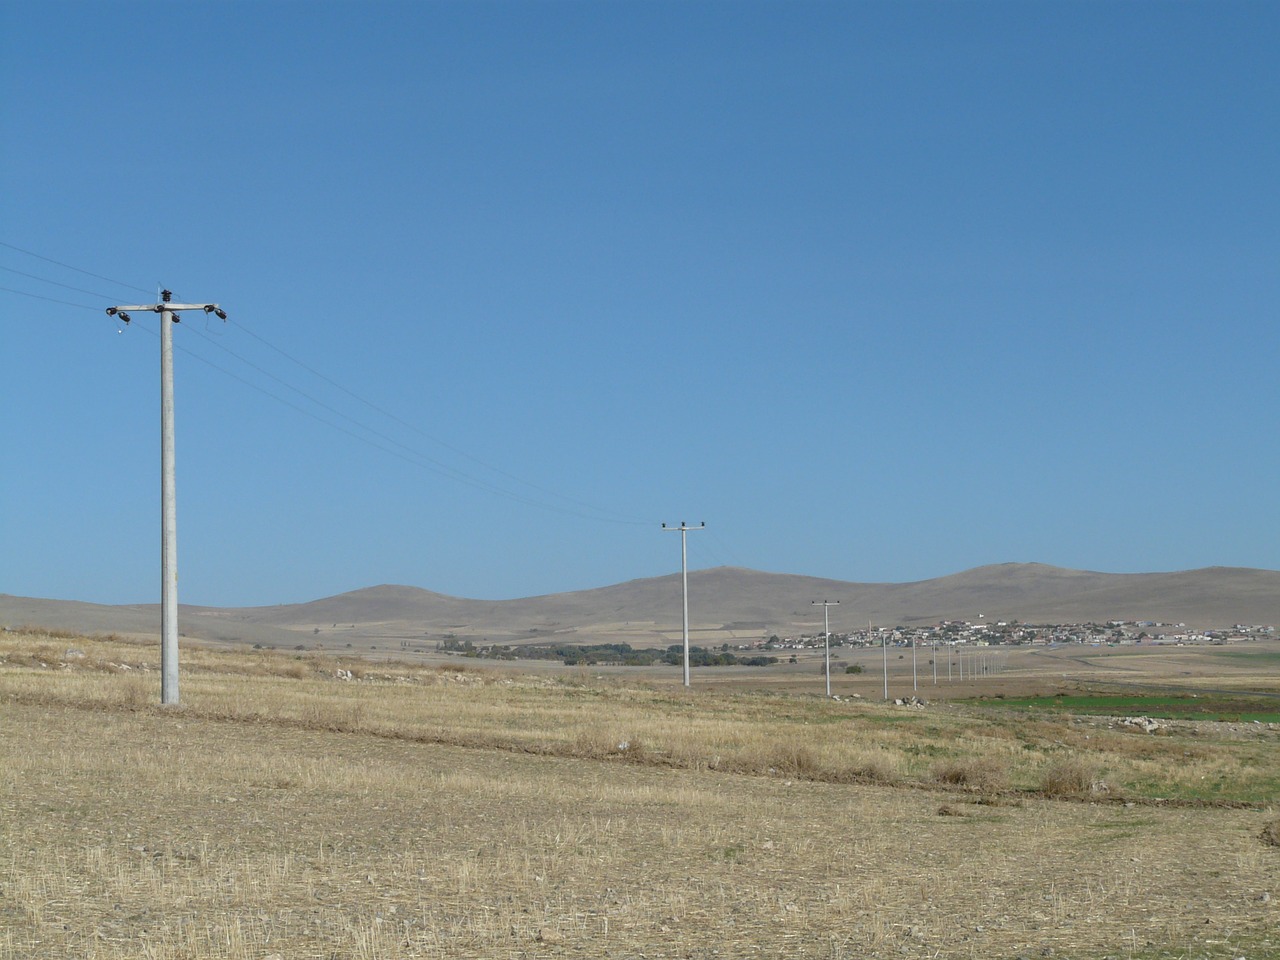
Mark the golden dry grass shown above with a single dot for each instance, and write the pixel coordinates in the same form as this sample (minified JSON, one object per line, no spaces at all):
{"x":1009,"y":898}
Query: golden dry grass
{"x":805,"y":737}
{"x":446,"y":814}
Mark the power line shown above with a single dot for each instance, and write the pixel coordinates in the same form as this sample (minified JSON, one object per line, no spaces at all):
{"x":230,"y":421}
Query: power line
{"x":434,"y":439}
{"x":96,"y":276}
{"x":406,"y":453}
{"x":410,"y":455}
{"x":36,"y":296}
{"x":65,"y":286}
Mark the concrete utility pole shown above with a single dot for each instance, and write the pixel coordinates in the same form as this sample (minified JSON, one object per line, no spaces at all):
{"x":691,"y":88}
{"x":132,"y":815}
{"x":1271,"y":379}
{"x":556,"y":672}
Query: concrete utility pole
{"x":168,"y":495}
{"x":684,"y":529}
{"x":884,"y":650}
{"x":826,"y":634}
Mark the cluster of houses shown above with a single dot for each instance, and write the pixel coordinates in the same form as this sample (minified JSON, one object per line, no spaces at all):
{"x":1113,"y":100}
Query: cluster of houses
{"x":982,"y":633}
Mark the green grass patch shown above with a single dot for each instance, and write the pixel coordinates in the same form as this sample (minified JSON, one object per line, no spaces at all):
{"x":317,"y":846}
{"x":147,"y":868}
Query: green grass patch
{"x":1268,"y":657}
{"x":1233,"y":708}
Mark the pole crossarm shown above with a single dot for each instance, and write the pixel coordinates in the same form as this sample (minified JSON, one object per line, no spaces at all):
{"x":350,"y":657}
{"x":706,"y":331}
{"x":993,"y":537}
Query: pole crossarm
{"x":162,"y":307}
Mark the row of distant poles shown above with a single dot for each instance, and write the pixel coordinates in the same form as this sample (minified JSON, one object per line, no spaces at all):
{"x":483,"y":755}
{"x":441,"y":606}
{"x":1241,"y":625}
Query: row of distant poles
{"x":982,"y":667}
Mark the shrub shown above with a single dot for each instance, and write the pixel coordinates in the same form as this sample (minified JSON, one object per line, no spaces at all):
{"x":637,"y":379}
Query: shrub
{"x":876,"y":771}
{"x":984,"y":773}
{"x":1065,"y":778}
{"x":794,"y":759}
{"x":1271,"y":833}
{"x":853,"y":668}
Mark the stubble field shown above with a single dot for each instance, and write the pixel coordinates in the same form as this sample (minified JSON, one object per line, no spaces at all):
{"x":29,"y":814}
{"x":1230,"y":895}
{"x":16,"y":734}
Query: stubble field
{"x":285,"y":811}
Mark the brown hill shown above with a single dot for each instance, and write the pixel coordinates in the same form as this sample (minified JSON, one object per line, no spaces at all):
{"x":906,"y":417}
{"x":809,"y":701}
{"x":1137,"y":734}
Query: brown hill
{"x":725,"y":603}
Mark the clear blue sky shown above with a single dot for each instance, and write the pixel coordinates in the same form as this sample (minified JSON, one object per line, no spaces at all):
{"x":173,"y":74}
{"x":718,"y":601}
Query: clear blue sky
{"x":880,"y":291}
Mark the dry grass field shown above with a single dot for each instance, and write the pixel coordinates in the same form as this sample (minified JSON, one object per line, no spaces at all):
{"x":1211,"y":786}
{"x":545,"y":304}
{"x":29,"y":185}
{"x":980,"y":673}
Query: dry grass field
{"x":287,"y":811}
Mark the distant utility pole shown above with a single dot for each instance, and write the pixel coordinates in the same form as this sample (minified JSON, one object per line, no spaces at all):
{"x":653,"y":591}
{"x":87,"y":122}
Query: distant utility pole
{"x":884,"y":650}
{"x":826,"y":634}
{"x":168,"y":496}
{"x":684,"y":529}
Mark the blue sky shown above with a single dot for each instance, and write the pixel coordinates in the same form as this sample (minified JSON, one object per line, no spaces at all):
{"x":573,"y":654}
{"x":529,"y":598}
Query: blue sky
{"x":880,"y":291}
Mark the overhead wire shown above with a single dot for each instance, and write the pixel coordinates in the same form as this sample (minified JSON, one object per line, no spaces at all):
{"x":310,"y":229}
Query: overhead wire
{"x":36,"y":296}
{"x":416,"y":429}
{"x":453,"y":472}
{"x":405,"y":452}
{"x":96,"y":276}
{"x":727,"y":554}
{"x":409,"y":454}
{"x":65,"y":286}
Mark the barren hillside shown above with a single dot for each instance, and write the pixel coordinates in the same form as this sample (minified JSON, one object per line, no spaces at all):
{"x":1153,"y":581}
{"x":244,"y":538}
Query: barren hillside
{"x":725,"y":602}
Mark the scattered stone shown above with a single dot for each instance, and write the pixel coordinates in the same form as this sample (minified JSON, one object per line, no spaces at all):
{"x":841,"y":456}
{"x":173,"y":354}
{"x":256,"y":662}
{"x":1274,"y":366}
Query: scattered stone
{"x":1145,"y":724}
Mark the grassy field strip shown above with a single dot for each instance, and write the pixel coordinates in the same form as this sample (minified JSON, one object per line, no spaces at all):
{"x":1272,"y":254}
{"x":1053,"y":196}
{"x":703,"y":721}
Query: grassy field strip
{"x":161,"y":834}
{"x":779,"y":735}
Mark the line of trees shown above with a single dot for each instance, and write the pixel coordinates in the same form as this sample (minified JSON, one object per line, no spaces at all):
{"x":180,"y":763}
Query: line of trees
{"x":607,"y":653}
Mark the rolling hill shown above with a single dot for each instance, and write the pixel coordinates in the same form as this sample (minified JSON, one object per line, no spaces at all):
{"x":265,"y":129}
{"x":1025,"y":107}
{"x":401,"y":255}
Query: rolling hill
{"x":725,"y":603}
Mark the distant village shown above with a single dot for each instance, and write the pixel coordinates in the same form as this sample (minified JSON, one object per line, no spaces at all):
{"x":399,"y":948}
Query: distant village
{"x":983,"y":633}
{"x":767,"y":651}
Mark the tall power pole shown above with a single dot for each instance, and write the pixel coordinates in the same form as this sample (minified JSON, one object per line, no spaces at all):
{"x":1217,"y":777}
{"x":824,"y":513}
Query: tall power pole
{"x":684,"y":529}
{"x":826,"y":635}
{"x":168,"y":494}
